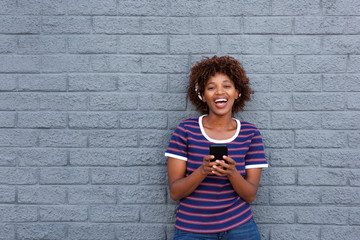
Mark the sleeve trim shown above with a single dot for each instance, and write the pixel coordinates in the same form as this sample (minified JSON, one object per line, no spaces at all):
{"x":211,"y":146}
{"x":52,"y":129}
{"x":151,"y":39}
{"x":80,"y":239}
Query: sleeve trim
{"x":256,"y":166}
{"x":175,"y":156}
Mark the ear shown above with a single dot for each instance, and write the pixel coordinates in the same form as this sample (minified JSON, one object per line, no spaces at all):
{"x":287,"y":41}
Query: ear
{"x":238,"y":95}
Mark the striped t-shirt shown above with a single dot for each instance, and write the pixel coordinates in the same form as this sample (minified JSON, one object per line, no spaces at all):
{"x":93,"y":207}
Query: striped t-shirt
{"x":214,"y":206}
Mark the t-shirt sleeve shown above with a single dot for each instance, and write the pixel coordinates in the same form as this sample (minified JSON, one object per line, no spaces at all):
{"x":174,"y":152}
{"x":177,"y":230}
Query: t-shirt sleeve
{"x":255,"y":157}
{"x":178,"y":144}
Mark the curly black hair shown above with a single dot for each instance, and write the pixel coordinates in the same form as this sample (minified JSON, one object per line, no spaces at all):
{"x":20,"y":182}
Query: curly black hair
{"x":208,"y":67}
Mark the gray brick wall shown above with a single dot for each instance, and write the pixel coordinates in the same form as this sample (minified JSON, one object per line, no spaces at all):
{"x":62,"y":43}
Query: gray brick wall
{"x":90,"y":92}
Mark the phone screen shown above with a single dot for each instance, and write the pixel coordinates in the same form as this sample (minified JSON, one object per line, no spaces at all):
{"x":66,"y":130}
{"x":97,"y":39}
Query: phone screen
{"x":218,"y":151}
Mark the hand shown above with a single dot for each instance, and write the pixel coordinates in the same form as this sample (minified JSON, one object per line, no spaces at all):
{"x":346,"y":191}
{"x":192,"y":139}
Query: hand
{"x":221,"y":168}
{"x":207,"y":164}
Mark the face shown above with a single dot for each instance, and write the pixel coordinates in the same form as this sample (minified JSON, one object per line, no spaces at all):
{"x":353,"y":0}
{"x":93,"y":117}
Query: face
{"x":220,"y":94}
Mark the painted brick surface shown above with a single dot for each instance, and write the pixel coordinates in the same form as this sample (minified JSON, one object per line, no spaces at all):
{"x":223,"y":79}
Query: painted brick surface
{"x":91,"y":91}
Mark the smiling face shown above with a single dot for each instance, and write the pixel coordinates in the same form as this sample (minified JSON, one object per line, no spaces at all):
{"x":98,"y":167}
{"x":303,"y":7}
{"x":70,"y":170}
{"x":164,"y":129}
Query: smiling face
{"x":220,"y":94}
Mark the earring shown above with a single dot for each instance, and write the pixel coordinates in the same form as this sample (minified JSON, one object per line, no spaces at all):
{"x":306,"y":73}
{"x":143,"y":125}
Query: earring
{"x":197,"y":91}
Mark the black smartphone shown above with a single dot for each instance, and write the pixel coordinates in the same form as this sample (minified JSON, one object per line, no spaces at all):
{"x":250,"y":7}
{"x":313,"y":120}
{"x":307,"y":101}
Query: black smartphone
{"x":218,"y":150}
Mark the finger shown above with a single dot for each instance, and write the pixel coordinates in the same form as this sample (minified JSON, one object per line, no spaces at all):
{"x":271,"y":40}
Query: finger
{"x":208,"y":158}
{"x":229,"y":160}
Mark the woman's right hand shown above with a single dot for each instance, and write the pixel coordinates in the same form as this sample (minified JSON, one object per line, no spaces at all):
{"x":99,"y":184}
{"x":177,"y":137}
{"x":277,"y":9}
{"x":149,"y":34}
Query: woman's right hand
{"x":207,"y":165}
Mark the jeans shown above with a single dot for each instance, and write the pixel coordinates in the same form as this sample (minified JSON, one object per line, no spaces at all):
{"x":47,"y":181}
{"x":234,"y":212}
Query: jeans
{"x":246,"y":231}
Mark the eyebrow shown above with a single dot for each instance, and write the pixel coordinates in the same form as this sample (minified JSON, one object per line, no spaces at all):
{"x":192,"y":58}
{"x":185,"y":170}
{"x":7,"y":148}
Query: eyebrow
{"x":223,"y":81}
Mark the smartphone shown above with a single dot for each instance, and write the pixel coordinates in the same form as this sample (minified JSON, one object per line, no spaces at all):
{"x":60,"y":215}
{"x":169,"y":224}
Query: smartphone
{"x":218,"y":150}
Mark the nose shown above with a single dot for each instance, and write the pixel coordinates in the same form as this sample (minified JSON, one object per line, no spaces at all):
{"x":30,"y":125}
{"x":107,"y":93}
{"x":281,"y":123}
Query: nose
{"x":219,"y":90}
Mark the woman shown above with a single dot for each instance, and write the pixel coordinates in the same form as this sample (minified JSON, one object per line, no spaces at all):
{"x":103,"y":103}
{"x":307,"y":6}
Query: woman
{"x":215,"y":194}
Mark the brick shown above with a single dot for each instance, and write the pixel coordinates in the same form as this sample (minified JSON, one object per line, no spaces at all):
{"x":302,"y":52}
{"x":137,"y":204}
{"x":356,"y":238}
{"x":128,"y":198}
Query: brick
{"x":326,"y":25}
{"x":115,"y":213}
{"x":92,"y":82}
{"x":20,"y":24}
{"x":91,"y":231}
{"x":65,"y":63}
{"x":296,"y":120}
{"x":216,"y":25}
{"x":105,"y":102}
{"x":8,"y":157}
{"x":63,"y":213}
{"x":175,"y":118}
{"x":354,"y":216}
{"x":41,"y":195}
{"x":8,"y":44}
{"x":12,"y":213}
{"x":281,"y":101}
{"x":138,"y":120}
{"x":268,"y":64}
{"x":59,"y":138}
{"x":155,"y":44}
{"x":141,"y":194}
{"x":88,"y":120}
{"x":7,"y":119}
{"x":41,"y":231}
{"x":116,"y":63}
{"x":296,"y":44}
{"x":295,"y":83}
{"x":295,"y":157}
{"x":271,"y":25}
{"x":63,"y":102}
{"x":333,"y":158}
{"x":143,"y":83}
{"x":164,"y":64}
{"x":153,"y":175}
{"x":341,"y":82}
{"x":295,"y":195}
{"x":322,"y":177}
{"x":341,"y":7}
{"x":93,"y":7}
{"x":42,"y":120}
{"x":177,"y":83}
{"x":277,"y":139}
{"x":32,"y":157}
{"x":293,"y":7}
{"x":18,"y":138}
{"x":193,"y":8}
{"x":7,"y":231}
{"x":17,"y":101}
{"x":354,"y":63}
{"x":340,"y":195}
{"x":43,"y":82}
{"x":7,"y":194}
{"x":184,"y":44}
{"x":353,"y":101}
{"x":292,"y":232}
{"x":19,"y":64}
{"x":273,"y":214}
{"x":319,"y":101}
{"x":259,"y":82}
{"x":320,"y":64}
{"x":248,"y":44}
{"x":41,"y":45}
{"x":276,"y":176}
{"x":118,"y":157}
{"x":244,"y":8}
{"x":116,"y":25}
{"x":171,"y":25}
{"x":158,"y":213}
{"x":113,"y":139}
{"x":66,"y":24}
{"x":92,"y":44}
{"x":339,"y":232}
{"x":7,"y":6}
{"x":341,"y":45}
{"x":320,"y":139}
{"x":64,"y":176}
{"x":141,"y":8}
{"x":92,"y":195}
{"x":8,"y":82}
{"x":140,"y":231}
{"x":336,"y":120}
{"x":259,"y":118}
{"x":115,"y":176}
{"x":354,"y":177}
{"x":38,"y":7}
{"x":262,"y":195}
{"x":162,"y":102}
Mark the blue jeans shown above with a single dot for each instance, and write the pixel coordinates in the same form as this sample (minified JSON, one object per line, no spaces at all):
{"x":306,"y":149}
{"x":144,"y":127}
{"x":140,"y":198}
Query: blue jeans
{"x":246,"y":231}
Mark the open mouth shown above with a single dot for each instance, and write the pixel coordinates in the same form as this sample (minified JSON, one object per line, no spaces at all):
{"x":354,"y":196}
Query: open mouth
{"x":221,"y":102}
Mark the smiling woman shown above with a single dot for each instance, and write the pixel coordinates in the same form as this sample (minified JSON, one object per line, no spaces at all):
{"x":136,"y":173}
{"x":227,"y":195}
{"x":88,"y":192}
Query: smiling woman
{"x":214,"y":193}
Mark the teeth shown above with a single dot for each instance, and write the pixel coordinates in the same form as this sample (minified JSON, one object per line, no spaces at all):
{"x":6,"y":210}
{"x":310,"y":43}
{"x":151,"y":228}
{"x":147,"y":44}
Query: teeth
{"x":221,"y":100}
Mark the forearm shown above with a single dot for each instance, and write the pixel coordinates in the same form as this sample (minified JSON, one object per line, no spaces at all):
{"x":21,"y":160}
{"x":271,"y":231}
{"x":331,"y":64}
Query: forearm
{"x":243,"y":188}
{"x":183,"y":187}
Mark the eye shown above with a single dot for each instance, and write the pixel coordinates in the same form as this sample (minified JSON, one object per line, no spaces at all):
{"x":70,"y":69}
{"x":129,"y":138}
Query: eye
{"x":227,"y":86}
{"x":211,"y":88}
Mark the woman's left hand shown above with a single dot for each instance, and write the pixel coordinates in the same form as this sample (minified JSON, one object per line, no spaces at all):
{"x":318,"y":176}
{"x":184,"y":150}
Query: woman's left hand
{"x":224,"y":169}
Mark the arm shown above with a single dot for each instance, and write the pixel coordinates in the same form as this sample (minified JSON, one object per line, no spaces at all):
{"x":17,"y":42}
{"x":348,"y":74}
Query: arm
{"x":181,"y":186}
{"x":246,"y":187}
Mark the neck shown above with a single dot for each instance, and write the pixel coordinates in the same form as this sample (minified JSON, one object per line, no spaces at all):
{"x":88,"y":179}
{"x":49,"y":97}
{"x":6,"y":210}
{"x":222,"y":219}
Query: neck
{"x":216,"y":121}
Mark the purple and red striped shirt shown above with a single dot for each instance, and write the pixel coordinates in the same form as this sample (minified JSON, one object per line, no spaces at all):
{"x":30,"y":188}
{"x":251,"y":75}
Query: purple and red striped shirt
{"x":214,"y":206}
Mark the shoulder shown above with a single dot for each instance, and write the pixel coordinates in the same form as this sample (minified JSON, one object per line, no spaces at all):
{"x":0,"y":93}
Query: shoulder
{"x":249,"y":127}
{"x":189,"y":122}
